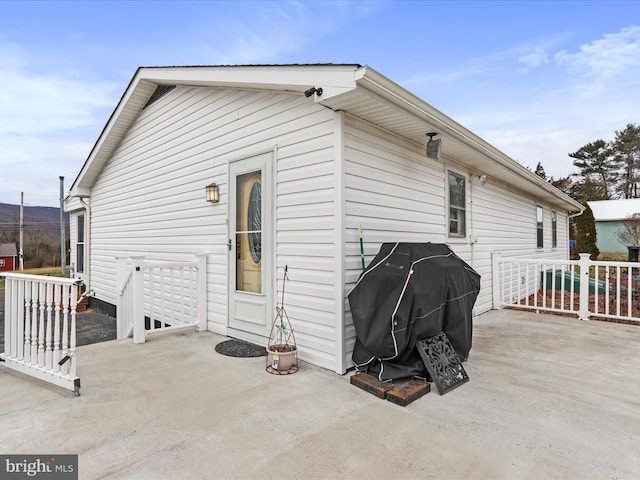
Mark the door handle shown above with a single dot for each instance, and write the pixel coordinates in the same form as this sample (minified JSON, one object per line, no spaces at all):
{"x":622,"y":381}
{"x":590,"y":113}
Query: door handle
{"x":230,"y":245}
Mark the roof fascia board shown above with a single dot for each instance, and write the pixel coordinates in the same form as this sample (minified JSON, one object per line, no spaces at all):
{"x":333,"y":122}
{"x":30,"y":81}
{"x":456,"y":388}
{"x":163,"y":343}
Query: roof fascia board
{"x":270,"y":77}
{"x":391,"y":91}
{"x":334,"y":79}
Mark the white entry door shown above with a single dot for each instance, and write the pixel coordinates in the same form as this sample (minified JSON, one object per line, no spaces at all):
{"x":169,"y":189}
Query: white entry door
{"x":250,"y":245}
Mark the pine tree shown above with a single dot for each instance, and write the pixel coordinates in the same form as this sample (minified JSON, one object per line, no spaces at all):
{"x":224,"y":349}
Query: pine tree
{"x":626,"y":151}
{"x":597,"y":165}
{"x":586,"y":237}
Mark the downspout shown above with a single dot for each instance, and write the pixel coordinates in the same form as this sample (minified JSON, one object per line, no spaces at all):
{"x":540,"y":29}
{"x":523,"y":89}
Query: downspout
{"x":569,"y":217}
{"x":472,"y":239}
{"x":87,"y":245}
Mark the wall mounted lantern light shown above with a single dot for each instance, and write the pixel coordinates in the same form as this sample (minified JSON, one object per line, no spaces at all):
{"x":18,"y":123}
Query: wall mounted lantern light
{"x":212,"y":193}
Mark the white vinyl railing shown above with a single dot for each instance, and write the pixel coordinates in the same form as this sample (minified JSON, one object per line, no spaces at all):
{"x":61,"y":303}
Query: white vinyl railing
{"x":40,"y":328}
{"x":581,"y":287}
{"x":160,"y":296}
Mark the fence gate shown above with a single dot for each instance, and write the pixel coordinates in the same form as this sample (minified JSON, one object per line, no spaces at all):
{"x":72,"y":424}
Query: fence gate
{"x":40,"y":328}
{"x":160,"y":296}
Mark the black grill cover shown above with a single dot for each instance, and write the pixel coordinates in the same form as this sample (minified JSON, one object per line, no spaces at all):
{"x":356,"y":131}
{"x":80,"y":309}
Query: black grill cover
{"x":411,"y":291}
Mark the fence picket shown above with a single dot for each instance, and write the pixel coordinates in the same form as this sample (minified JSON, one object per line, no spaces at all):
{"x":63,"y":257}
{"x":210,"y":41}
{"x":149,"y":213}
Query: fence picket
{"x":169,"y":294}
{"x":33,"y":305}
{"x":585,"y":288}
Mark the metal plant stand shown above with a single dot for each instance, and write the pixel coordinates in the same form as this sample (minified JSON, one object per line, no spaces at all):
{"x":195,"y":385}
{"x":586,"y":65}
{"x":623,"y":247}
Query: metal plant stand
{"x":282,"y":349}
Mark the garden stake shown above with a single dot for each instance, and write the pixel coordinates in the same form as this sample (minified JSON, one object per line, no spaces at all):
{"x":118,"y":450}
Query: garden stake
{"x":361,"y":249}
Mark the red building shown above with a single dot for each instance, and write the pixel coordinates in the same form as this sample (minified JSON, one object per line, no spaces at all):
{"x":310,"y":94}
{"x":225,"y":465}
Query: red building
{"x":8,"y":257}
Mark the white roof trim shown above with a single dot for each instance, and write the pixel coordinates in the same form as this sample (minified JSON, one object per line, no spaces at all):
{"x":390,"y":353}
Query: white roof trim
{"x":612,"y":210}
{"x":350,"y":88}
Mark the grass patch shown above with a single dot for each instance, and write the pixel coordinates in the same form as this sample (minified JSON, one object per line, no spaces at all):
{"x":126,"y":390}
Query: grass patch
{"x":48,"y":271}
{"x":613,"y":257}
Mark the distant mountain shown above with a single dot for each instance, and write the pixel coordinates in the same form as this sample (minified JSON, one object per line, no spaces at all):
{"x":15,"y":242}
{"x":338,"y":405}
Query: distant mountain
{"x":47,"y":219}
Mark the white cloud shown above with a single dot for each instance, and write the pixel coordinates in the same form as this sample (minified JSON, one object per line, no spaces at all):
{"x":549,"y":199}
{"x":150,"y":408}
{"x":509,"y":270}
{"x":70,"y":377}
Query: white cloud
{"x":44,"y":117}
{"x":46,"y":102}
{"x":272,"y":31}
{"x":614,"y":54}
{"x":542,"y":114}
{"x":534,"y":59}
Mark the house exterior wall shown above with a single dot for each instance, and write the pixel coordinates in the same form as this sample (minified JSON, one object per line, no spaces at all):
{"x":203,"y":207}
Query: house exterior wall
{"x":149,"y":199}
{"x":332,"y":173}
{"x":606,"y":238}
{"x":398,"y":194}
{"x":7,"y":263}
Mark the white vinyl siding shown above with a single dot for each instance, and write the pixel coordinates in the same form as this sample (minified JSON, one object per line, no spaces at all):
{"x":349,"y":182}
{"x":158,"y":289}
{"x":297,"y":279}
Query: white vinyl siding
{"x":332,"y":174}
{"x":394,"y":192}
{"x":149,"y":199}
{"x":398,"y":194}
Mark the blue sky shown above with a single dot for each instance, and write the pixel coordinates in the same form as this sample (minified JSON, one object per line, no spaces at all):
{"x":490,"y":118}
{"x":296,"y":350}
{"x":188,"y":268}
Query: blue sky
{"x":536,"y":79}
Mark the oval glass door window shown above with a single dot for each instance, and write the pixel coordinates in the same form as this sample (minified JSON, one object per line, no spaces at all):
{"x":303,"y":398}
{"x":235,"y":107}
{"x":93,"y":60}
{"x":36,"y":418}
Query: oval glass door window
{"x":254,"y":222}
{"x":249,"y":232}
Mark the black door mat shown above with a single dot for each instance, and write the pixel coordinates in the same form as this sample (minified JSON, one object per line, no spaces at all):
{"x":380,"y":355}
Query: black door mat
{"x":240,"y":348}
{"x":442,"y":363}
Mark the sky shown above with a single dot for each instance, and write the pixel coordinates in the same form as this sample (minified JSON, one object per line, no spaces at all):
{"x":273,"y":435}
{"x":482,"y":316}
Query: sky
{"x":536,"y":79}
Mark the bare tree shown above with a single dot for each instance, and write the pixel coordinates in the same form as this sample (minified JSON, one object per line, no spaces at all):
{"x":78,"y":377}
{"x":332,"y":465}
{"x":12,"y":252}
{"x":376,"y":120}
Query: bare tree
{"x":629,"y":233}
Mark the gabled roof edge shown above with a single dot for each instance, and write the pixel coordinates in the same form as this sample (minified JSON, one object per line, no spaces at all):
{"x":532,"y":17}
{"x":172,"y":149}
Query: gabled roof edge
{"x":371,"y":79}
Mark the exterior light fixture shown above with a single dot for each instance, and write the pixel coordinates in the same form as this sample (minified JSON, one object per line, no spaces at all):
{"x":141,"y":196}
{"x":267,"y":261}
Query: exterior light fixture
{"x":433,"y":146}
{"x":483,"y":179}
{"x":212,"y":193}
{"x":312,"y":90}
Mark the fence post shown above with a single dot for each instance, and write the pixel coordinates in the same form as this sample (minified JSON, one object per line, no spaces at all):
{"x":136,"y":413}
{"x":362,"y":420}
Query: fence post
{"x":585,"y":263}
{"x":137,"y":309}
{"x":495,"y":276}
{"x":202,"y":292}
{"x":9,"y":318}
{"x":121,"y":314}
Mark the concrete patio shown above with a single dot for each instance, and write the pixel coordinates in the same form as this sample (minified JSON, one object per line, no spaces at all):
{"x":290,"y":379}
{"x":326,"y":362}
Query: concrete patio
{"x":549,"y":398}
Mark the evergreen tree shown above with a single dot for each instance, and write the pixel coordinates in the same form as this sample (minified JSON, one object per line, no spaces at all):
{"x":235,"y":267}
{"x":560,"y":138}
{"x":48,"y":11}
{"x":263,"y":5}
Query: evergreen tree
{"x":540,"y":171}
{"x":626,"y":151}
{"x":597,"y":165}
{"x":586,"y":236}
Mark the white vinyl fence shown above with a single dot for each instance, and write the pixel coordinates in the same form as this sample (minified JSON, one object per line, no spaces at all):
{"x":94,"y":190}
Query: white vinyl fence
{"x":160,"y":296}
{"x":40,"y":328}
{"x":581,"y":287}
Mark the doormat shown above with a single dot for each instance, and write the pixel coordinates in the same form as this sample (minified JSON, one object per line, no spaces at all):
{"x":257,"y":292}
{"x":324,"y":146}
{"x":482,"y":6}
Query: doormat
{"x":240,"y":348}
{"x":442,"y":363}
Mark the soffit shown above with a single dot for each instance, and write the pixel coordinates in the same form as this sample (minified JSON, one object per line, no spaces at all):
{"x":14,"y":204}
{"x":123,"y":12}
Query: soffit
{"x":413,"y":119}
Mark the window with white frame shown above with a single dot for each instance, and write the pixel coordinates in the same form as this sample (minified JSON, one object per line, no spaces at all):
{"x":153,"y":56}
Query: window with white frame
{"x":457,"y":185}
{"x":80,"y":244}
{"x":554,"y":229}
{"x":539,"y":226}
